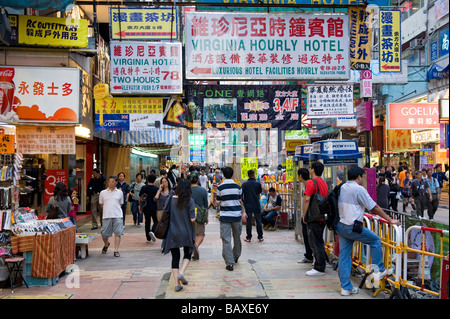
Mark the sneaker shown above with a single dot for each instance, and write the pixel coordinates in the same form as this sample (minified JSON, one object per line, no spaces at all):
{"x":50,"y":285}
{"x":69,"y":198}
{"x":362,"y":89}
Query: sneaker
{"x":346,"y":292}
{"x":152,"y":236}
{"x":314,"y":272}
{"x":247,"y":239}
{"x":305,"y":261}
{"x":260,"y":239}
{"x":229,"y":267}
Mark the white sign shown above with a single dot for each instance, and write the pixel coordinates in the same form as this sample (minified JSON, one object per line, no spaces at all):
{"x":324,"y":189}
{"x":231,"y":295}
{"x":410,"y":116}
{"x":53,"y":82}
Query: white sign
{"x":146,"y":67}
{"x":145,"y":122}
{"x":330,"y":100}
{"x":429,"y":136}
{"x":346,"y":121}
{"x":258,"y":46}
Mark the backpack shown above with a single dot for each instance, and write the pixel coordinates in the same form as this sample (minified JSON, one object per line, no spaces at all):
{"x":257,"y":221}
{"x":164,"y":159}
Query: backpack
{"x":330,"y":209}
{"x":314,"y":211}
{"x":202,"y":214}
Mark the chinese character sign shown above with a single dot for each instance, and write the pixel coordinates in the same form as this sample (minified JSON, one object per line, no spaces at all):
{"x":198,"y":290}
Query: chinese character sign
{"x":412,"y":116}
{"x":55,"y":32}
{"x":258,"y":46}
{"x":7,"y":143}
{"x":360,"y":37}
{"x":330,"y":100}
{"x":146,"y":67}
{"x":54,"y":176}
{"x":45,"y":139}
{"x":390,"y":41}
{"x":143,"y":24}
{"x":249,"y":163}
{"x":36,"y":94}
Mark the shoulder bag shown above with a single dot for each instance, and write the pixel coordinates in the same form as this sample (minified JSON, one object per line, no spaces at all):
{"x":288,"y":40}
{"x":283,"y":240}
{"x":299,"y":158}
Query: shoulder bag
{"x":163,"y":225}
{"x":54,"y":211}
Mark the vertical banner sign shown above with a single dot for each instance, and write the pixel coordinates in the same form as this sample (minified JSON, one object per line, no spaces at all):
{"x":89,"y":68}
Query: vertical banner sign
{"x":360,"y":37}
{"x":248,"y":163}
{"x":146,"y":68}
{"x":390,"y":41}
{"x":143,"y":24}
{"x":366,"y":84}
{"x":54,"y":176}
{"x":258,"y":46}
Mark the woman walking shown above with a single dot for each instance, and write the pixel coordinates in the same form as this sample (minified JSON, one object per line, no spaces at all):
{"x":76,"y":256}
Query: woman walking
{"x":61,"y":200}
{"x":180,"y":232}
{"x":383,"y":190}
{"x":406,"y":192}
{"x":134,"y":193}
{"x":162,"y":195}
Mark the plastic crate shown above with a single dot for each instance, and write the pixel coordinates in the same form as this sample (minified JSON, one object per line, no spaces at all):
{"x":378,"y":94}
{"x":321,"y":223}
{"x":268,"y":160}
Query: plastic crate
{"x":34,"y":281}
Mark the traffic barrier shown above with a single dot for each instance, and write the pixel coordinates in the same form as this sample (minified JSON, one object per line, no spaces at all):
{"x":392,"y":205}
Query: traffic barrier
{"x":424,"y":254}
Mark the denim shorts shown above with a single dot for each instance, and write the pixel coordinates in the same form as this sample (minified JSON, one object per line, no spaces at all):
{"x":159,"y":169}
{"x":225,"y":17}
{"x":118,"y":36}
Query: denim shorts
{"x":112,"y":225}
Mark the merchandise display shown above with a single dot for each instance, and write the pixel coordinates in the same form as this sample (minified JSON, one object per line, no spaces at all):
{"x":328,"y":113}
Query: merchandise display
{"x":38,"y":227}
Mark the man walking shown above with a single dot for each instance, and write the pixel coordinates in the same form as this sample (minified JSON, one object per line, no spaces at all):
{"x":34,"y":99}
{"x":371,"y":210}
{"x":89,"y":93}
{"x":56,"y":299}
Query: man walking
{"x":421,"y":193}
{"x":110,"y":201}
{"x":147,"y":204}
{"x":229,"y":196}
{"x":316,"y":185}
{"x":251,"y":190}
{"x":435,"y":189}
{"x":125,"y":188}
{"x":353,"y":201}
{"x":95,"y":186}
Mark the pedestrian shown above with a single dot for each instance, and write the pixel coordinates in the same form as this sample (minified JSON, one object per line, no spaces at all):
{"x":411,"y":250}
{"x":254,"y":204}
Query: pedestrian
{"x":440,"y":175}
{"x":61,"y":200}
{"x":181,"y":231}
{"x":406,"y":192}
{"x":203,"y":180}
{"x":200,"y":197}
{"x":95,"y":186}
{"x":125,"y":188}
{"x":420,"y":190}
{"x":303,"y":177}
{"x":251,"y":192}
{"x":383,"y":191}
{"x":134,"y":194}
{"x":353,"y":201}
{"x":173,"y":175}
{"x":144,"y":176}
{"x":162,"y":174}
{"x":148,"y":206}
{"x":164,"y":191}
{"x":394,"y":192}
{"x":315,"y":227}
{"x":271,"y":210}
{"x":75,"y":207}
{"x":228,"y":197}
{"x":111,"y":200}
{"x":435,"y":189}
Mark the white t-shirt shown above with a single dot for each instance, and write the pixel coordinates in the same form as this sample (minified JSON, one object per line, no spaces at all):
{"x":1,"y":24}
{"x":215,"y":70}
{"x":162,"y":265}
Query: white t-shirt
{"x":353,"y":201}
{"x":204,"y":181}
{"x":111,"y":201}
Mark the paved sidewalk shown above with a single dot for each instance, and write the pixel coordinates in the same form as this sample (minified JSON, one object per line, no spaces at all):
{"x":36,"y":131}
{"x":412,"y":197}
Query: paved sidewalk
{"x":265,"y":270}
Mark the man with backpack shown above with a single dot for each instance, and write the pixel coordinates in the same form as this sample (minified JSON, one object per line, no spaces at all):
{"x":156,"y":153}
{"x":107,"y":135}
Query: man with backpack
{"x":315,"y":188}
{"x":353,"y":201}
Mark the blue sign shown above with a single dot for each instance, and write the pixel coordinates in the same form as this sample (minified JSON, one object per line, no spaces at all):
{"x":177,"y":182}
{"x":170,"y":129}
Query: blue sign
{"x":113,"y":122}
{"x":434,"y":52}
{"x":444,"y":42}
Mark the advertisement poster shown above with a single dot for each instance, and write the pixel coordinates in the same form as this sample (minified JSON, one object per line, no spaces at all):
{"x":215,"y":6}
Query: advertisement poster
{"x":411,"y":116}
{"x":40,"y":94}
{"x":360,"y":37}
{"x":7,"y":143}
{"x":54,"y":176}
{"x":399,"y":141}
{"x":266,"y":46}
{"x":45,"y":139}
{"x":390,"y":41}
{"x":146,"y":67}
{"x":245,"y":106}
{"x":54,"y":32}
{"x":143,"y":24}
{"x":330,"y":100}
{"x":248,"y":163}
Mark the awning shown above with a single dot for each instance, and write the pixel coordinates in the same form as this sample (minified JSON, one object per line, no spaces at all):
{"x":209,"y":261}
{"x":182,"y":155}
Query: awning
{"x":436,"y":71}
{"x":61,"y":5}
{"x":168,"y":136}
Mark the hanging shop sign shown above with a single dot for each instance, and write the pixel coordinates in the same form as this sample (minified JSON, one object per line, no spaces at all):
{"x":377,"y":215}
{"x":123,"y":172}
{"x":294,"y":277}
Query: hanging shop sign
{"x":143,"y":24}
{"x":412,"y":116}
{"x":330,"y":100}
{"x":45,"y":139}
{"x":54,"y":176}
{"x":390,"y":41}
{"x":324,"y":3}
{"x":426,"y":158}
{"x":197,"y":141}
{"x":146,"y":68}
{"x":364,"y":116}
{"x":245,"y":106}
{"x":366,"y":84}
{"x":40,"y":94}
{"x":423,"y":137}
{"x":259,"y":46}
{"x":249,"y":163}
{"x":7,"y":143}
{"x":360,"y":37}
{"x":399,"y":141}
{"x":50,"y":31}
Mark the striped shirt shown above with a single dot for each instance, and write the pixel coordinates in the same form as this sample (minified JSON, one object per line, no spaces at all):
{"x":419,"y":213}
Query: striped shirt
{"x":229,"y":196}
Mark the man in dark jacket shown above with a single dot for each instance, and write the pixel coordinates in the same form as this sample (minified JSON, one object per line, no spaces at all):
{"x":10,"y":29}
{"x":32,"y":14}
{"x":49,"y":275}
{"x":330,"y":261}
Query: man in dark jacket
{"x":251,"y":190}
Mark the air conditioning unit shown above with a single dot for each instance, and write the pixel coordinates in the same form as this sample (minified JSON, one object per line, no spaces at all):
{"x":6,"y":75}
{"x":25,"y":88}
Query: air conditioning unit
{"x":417,"y":43}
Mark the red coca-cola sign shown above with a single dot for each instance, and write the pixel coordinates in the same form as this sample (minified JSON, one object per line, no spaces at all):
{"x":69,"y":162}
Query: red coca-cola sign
{"x":6,"y":89}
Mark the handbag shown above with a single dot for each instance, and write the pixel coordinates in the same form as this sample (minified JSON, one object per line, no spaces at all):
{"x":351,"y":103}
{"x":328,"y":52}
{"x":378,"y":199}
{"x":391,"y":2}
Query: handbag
{"x":202,"y":215}
{"x":163,"y":225}
{"x":54,"y":211}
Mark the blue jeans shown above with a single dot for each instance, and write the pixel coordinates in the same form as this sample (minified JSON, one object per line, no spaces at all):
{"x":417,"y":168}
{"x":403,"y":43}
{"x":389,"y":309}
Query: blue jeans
{"x":137,"y":216}
{"x":346,"y":239}
{"x":267,"y":217}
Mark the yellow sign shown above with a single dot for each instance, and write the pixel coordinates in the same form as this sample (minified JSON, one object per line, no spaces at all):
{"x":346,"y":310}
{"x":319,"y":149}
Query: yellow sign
{"x":143,"y":24}
{"x":292,"y":144}
{"x":7,"y":143}
{"x":248,"y":163}
{"x":390,"y":41}
{"x":129,"y":105}
{"x":101,"y":91}
{"x":55,"y":32}
{"x":289,"y":170}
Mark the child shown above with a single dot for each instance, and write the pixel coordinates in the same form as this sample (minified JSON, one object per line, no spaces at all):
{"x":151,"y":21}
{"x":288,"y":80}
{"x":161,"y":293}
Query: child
{"x":75,"y":207}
